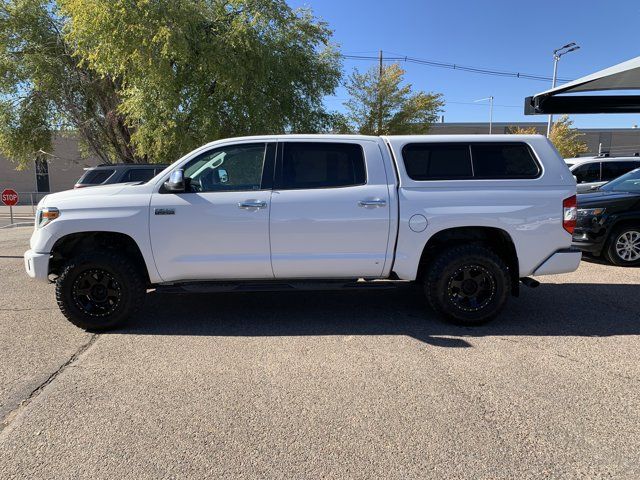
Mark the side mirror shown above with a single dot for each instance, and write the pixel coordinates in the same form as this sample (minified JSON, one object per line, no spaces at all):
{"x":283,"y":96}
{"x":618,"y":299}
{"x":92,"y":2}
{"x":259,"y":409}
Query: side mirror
{"x":176,"y":183}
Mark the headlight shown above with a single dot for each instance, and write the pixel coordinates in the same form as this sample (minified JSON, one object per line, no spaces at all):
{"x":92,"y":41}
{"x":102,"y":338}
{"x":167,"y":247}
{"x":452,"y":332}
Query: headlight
{"x":590,"y":212}
{"x":46,"y":215}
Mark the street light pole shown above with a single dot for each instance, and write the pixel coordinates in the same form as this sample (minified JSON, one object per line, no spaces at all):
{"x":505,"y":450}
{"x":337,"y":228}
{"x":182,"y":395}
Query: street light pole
{"x":553,"y":85}
{"x":490,"y":113}
{"x":569,"y":47}
{"x":490,"y":110}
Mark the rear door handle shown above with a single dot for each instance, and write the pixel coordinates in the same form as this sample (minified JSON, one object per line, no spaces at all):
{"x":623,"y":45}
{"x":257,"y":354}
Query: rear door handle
{"x":248,"y":204}
{"x":376,"y":202}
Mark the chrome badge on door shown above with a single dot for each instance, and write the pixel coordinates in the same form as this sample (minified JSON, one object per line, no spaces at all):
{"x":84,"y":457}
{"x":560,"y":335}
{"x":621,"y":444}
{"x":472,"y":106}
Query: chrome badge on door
{"x":165,"y":211}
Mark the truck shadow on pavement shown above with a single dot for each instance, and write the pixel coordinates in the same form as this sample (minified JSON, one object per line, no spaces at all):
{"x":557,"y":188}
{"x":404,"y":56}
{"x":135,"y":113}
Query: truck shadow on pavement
{"x":550,"y":310}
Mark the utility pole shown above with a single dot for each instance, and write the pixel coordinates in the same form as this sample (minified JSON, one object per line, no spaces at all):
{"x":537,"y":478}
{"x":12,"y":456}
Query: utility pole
{"x":380,"y":68}
{"x":569,"y":47}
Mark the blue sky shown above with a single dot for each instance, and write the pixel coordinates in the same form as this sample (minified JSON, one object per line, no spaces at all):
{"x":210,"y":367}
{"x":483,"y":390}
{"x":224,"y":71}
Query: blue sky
{"x":508,"y":35}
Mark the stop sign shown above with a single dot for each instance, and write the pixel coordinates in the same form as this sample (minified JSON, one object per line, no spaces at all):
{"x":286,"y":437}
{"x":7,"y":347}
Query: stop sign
{"x":9,"y":197}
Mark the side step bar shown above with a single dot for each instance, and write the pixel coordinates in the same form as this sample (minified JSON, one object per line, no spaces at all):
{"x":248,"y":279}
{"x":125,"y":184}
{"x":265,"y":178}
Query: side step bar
{"x":268,"y":286}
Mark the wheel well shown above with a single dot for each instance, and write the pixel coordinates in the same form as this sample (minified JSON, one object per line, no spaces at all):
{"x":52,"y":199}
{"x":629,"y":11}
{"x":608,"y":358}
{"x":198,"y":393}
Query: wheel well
{"x":71,"y":245}
{"x":495,"y":239}
{"x":627,"y":222}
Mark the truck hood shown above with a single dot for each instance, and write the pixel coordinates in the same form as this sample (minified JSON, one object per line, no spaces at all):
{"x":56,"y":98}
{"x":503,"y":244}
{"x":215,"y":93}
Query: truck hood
{"x":78,"y":193}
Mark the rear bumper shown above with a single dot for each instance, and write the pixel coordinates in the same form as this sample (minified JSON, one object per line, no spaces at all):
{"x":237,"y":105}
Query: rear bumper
{"x":563,"y":261}
{"x":37,"y":265}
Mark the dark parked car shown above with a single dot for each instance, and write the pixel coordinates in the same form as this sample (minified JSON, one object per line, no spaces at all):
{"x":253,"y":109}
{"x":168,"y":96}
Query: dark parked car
{"x":118,"y":173}
{"x":608,"y":221}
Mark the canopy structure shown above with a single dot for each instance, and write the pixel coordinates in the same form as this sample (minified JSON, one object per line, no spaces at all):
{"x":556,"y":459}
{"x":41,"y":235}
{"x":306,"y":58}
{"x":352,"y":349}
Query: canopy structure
{"x":623,"y":77}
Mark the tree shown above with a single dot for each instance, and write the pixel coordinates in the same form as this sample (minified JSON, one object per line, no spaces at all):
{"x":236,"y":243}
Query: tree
{"x":43,"y":90}
{"x":150,"y":80}
{"x":567,"y":139}
{"x":193,"y":71}
{"x":381,"y":105}
{"x":522,"y":130}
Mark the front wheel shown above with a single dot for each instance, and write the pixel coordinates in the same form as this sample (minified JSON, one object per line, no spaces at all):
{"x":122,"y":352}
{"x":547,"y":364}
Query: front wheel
{"x":623,"y":248}
{"x":99,"y":291}
{"x":467,"y":285}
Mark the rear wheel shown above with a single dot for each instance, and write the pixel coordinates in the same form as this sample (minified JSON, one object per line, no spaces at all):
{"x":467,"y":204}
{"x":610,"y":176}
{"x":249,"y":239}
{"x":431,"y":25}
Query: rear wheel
{"x":623,"y":247}
{"x":99,"y":291}
{"x":468,"y":285}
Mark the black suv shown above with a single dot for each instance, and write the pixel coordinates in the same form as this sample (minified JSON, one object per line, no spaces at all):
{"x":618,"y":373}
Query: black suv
{"x":608,"y":221}
{"x":119,"y":173}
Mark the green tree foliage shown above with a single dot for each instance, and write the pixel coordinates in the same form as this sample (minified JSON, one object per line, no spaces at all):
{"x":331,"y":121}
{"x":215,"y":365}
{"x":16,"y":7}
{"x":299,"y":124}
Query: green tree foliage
{"x":195,"y":70}
{"x":380,"y":104}
{"x":566,"y":139}
{"x":149,"y":80}
{"x":44,"y":91}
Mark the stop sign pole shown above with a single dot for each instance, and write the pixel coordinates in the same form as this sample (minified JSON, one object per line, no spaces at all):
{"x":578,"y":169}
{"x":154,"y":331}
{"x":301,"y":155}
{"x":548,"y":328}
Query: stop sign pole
{"x":10,"y":198}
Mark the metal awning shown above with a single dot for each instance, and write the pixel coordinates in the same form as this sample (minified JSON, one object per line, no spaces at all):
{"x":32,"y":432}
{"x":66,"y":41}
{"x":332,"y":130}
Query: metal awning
{"x":624,"y":76}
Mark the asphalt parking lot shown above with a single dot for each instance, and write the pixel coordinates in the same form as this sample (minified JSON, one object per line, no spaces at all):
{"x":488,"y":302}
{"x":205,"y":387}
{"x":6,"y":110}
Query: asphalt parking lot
{"x":323,"y":385}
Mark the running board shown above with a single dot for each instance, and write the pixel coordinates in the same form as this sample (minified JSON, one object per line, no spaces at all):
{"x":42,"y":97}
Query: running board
{"x":218,"y":287}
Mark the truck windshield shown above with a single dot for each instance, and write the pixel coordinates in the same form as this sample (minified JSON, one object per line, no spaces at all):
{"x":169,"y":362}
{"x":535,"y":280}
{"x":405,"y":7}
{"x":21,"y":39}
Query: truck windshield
{"x":629,"y":182}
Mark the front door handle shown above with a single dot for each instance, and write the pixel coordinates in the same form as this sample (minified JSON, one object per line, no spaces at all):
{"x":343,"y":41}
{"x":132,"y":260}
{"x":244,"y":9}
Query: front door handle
{"x":248,"y":204}
{"x":376,"y":202}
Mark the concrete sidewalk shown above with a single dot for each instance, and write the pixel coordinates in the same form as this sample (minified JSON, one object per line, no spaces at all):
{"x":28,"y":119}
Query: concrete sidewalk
{"x":22,"y":214}
{"x":18,"y":210}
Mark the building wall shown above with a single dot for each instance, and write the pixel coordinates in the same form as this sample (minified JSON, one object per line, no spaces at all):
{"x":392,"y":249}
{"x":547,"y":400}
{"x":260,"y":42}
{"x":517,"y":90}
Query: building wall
{"x":65,"y":168}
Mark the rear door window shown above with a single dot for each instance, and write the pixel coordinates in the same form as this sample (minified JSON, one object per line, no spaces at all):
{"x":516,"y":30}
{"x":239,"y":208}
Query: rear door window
{"x":307,"y":165}
{"x":611,"y":170}
{"x":95,"y":177}
{"x":587,"y":173}
{"x":437,"y":161}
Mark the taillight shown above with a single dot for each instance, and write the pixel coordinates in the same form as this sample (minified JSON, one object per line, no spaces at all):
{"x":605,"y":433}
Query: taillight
{"x":569,"y":213}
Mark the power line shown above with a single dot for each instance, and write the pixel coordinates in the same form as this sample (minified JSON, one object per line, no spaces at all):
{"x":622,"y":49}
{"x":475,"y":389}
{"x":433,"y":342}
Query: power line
{"x":455,"y":66}
{"x":481,"y":105}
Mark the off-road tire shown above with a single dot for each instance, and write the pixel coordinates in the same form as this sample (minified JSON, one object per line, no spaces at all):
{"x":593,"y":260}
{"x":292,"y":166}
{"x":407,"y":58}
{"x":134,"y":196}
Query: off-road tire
{"x":449,"y":267}
{"x":125,"y":282}
{"x":610,"y":252}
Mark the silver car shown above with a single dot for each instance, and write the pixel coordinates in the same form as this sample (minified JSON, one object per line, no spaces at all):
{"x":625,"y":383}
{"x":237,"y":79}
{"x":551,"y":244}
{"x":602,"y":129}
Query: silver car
{"x":593,"y":172}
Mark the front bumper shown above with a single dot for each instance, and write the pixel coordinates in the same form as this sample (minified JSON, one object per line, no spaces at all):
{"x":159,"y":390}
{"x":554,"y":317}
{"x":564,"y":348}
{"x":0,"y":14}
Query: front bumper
{"x":584,"y":244}
{"x":563,"y":261}
{"x":37,"y":265}
{"x":590,"y":234}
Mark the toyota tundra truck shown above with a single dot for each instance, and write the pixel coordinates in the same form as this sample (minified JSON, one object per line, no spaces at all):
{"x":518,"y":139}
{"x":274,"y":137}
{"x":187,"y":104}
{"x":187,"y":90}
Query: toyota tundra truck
{"x":469,"y":218}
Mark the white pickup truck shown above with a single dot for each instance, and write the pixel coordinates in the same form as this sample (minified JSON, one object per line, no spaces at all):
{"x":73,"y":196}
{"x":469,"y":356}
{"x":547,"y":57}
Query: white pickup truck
{"x":470,"y":217}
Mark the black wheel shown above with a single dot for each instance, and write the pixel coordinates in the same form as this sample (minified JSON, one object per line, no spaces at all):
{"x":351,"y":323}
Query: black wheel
{"x":467,"y":285}
{"x":623,"y":247}
{"x":100,"y":291}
